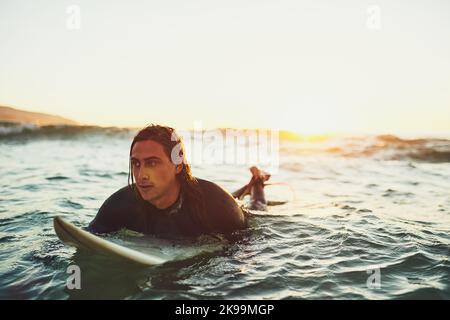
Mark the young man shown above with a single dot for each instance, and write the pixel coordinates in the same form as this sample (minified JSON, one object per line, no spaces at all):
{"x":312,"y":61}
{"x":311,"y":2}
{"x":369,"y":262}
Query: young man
{"x":165,"y":199}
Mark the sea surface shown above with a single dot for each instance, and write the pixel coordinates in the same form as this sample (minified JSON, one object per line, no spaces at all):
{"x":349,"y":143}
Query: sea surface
{"x":367,"y":217}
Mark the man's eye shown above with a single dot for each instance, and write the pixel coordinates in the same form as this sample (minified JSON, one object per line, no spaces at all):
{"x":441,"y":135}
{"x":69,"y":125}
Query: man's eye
{"x":152,"y":163}
{"x":136,"y":164}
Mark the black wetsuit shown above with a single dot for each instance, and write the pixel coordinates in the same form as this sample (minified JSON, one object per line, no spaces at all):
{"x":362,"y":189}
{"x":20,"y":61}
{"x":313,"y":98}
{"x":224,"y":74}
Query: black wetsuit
{"x":126,"y":209}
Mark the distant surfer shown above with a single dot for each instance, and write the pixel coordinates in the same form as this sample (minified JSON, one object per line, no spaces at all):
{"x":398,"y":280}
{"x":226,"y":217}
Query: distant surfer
{"x":164,"y":198}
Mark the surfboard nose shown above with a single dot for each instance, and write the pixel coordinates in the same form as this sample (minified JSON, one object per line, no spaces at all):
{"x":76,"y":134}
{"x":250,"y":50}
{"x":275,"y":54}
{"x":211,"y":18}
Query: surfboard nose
{"x":57,"y":224}
{"x":57,"y":221}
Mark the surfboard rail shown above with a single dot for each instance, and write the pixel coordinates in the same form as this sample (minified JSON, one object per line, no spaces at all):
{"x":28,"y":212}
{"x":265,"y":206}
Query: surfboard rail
{"x":77,"y":237}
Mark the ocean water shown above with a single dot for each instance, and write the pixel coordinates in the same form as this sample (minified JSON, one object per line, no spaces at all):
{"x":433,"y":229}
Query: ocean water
{"x":367,"y":217}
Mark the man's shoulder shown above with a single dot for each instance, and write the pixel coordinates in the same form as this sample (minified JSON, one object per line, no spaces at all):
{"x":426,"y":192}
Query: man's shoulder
{"x":111,"y":215}
{"x":125,"y":194}
{"x":209,"y":186}
{"x":223,"y":209}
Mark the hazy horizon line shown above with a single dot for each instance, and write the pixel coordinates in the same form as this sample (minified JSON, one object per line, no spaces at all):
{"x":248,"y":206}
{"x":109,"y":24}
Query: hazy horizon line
{"x":407,"y":133}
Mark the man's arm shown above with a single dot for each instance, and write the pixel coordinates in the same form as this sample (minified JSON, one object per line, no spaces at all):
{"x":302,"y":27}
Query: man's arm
{"x":109,"y":217}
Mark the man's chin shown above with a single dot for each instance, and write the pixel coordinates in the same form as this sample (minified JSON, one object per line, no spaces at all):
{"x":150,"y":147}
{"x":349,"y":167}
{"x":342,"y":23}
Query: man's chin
{"x":147,"y":196}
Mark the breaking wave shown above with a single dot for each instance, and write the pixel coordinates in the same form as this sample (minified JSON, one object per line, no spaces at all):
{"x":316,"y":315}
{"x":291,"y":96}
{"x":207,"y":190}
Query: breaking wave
{"x":31,"y":131}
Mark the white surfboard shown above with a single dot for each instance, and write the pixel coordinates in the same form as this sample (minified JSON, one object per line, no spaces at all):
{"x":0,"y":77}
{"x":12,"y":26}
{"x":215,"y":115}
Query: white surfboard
{"x":134,"y":247}
{"x":74,"y":236}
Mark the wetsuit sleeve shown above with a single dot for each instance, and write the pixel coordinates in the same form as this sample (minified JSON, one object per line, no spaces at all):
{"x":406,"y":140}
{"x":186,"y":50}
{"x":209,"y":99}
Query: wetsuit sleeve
{"x":109,"y":217}
{"x":224,"y":212}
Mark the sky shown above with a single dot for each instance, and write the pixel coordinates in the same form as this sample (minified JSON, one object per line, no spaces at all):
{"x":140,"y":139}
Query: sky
{"x":307,"y":66}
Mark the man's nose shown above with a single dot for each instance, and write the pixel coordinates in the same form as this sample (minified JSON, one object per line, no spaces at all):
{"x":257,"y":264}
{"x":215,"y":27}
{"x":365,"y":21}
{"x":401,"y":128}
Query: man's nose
{"x":143,"y":175}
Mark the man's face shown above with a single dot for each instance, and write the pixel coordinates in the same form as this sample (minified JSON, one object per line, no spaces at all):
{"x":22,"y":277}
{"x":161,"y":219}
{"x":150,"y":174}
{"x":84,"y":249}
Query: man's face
{"x":154,"y":172}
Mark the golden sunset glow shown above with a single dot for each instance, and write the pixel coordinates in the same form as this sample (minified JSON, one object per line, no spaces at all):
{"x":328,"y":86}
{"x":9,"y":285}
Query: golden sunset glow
{"x":306,"y":66}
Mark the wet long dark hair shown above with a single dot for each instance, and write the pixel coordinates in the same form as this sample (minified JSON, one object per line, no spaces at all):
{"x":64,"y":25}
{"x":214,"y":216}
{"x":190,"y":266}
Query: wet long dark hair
{"x":170,"y":141}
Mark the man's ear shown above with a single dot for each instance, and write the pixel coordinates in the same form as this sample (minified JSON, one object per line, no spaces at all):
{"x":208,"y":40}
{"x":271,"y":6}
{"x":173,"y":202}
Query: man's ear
{"x":178,"y":168}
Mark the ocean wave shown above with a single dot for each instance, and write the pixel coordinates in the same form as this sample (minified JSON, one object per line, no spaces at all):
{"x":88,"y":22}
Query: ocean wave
{"x":383,"y":147}
{"x":9,"y":128}
{"x":31,"y":131}
{"x":394,"y":140}
{"x":391,"y":147}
